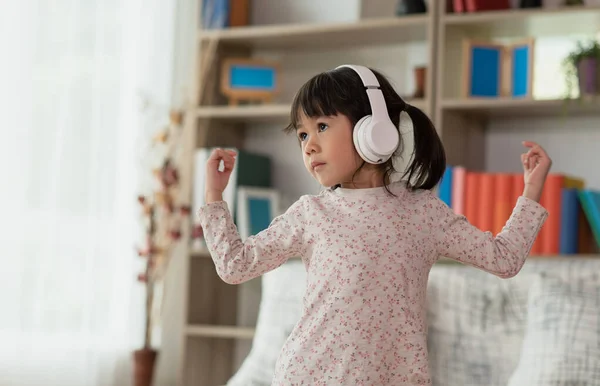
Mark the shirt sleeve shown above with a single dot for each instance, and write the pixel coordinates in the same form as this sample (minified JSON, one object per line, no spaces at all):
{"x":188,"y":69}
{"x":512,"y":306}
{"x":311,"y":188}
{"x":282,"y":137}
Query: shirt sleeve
{"x":238,"y":261}
{"x":502,"y":255}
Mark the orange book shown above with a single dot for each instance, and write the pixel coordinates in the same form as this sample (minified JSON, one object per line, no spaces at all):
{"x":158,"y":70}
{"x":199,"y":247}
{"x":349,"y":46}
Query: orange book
{"x":518,"y":185}
{"x":505,"y":201}
{"x":472,"y":197}
{"x":485,"y":205}
{"x":552,"y":201}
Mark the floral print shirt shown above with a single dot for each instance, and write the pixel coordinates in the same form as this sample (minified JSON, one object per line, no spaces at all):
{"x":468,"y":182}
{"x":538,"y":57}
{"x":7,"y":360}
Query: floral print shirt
{"x":368,"y":255}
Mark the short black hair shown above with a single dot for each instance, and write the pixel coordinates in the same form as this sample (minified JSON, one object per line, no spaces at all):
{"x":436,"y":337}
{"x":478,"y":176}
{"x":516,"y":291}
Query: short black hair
{"x":341,"y":91}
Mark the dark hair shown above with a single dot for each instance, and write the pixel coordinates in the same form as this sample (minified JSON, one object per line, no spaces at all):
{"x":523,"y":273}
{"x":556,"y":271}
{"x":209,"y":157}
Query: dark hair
{"x":341,"y":91}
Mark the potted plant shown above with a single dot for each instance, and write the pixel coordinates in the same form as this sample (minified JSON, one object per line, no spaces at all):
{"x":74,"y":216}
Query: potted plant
{"x":162,"y":218}
{"x":583,"y":66}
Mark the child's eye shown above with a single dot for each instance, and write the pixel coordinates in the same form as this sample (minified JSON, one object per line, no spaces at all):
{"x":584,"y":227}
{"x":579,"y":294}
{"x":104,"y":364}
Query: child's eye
{"x":301,"y":136}
{"x":323,"y":126}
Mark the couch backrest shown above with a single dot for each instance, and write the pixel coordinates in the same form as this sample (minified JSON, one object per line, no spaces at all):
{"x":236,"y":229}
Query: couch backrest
{"x":477,"y":321}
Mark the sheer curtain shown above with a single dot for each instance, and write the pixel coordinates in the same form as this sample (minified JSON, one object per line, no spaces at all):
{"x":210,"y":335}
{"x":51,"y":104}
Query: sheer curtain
{"x":70,"y":76}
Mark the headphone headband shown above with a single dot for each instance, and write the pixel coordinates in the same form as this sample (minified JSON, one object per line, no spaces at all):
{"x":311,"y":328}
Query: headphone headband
{"x":368,"y":78}
{"x":374,"y":93}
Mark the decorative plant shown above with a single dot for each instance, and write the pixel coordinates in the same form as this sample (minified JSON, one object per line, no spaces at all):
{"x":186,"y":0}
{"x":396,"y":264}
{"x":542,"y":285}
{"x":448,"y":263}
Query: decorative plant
{"x":588,"y":49}
{"x":162,"y":216}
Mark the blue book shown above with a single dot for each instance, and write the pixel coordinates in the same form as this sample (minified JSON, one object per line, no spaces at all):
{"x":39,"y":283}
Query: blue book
{"x":445,"y":191}
{"x":569,"y":225}
{"x":215,"y":14}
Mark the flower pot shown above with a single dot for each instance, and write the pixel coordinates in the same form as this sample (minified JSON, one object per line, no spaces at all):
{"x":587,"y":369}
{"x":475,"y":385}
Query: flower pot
{"x":530,"y":4}
{"x":409,"y":7}
{"x":144,"y":361}
{"x":588,"y":76}
{"x":420,"y":74}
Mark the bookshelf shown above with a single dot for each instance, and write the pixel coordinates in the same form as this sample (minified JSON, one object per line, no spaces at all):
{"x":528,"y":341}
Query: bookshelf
{"x":212,"y":333}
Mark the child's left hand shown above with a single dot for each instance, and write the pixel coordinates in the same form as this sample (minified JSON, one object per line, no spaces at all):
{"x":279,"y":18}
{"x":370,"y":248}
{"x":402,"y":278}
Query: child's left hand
{"x":536,"y":165}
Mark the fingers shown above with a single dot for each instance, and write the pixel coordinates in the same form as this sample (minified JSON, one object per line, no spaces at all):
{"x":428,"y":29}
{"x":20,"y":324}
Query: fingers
{"x":530,"y":144}
{"x":525,"y":161}
{"x":219,"y":155}
{"x":536,"y":151}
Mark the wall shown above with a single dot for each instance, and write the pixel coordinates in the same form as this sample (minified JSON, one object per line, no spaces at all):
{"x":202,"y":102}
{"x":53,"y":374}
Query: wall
{"x":305,"y":11}
{"x":572,"y":143}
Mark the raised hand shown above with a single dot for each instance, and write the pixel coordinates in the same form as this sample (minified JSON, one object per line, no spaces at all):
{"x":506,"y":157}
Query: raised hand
{"x":536,"y":165}
{"x":216,"y":180}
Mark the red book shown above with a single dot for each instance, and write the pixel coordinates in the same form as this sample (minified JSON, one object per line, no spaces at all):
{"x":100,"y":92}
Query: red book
{"x":472,"y":197}
{"x":486,"y":5}
{"x":458,"y":6}
{"x":553,"y":203}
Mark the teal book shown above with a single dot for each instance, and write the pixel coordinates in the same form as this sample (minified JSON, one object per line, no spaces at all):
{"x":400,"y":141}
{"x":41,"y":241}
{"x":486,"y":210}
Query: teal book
{"x":590,"y":202}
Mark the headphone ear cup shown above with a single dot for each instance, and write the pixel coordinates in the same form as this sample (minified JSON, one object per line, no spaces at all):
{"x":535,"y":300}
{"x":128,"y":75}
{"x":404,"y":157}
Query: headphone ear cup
{"x":358,"y":138}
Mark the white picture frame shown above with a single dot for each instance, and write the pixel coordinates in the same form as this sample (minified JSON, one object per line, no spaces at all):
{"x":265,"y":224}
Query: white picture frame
{"x":256,"y":208}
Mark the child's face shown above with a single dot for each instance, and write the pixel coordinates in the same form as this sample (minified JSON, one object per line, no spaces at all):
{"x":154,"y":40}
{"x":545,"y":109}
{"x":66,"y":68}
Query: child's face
{"x":328,"y":150}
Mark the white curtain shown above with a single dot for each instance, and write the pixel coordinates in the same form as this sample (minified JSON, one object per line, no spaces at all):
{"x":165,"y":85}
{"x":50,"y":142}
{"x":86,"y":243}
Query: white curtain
{"x":71,"y":72}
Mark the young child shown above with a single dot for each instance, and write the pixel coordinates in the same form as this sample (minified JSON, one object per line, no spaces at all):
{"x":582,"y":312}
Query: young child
{"x":367,"y":243}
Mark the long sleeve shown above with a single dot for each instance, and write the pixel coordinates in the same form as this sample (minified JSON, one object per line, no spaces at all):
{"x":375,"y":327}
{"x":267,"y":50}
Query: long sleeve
{"x":238,"y":261}
{"x":503,"y":255}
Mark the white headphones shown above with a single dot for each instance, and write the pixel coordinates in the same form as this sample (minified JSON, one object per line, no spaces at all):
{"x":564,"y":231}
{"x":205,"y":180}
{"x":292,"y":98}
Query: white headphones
{"x":376,"y":138}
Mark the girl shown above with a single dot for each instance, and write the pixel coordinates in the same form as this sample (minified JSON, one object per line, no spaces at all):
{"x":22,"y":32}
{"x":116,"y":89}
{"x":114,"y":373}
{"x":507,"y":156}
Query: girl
{"x":367,"y":243}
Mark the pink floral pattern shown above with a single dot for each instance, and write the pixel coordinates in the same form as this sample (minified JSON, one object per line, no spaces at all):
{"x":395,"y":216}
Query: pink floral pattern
{"x":368,"y":256}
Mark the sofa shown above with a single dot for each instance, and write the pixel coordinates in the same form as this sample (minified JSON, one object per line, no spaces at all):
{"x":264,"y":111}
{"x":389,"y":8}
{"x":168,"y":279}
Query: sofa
{"x":541,"y":327}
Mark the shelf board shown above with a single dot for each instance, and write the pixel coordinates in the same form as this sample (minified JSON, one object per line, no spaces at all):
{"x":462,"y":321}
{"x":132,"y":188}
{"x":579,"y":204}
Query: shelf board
{"x":227,"y":332}
{"x":513,"y":15}
{"x":273,"y":113}
{"x":376,"y":31}
{"x":507,"y":107}
{"x":266,"y":113}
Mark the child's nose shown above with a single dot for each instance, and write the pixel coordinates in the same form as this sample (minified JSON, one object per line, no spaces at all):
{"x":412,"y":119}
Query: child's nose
{"x":312,"y":145}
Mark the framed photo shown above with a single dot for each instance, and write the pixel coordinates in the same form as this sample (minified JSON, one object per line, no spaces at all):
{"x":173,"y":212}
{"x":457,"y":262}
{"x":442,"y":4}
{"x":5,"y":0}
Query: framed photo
{"x":483,"y":69}
{"x":256,"y":208}
{"x":248,"y":79}
{"x":521,"y":68}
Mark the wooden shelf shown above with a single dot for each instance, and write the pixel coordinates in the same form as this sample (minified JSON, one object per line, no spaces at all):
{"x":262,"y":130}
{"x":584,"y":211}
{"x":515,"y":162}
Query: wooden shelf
{"x":513,"y":15}
{"x":505,"y":107}
{"x":377,"y":31}
{"x":227,"y":332}
{"x":267,"y":113}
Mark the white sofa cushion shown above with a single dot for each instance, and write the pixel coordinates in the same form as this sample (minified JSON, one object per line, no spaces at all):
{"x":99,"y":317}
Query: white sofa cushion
{"x":476,"y":324}
{"x":280,"y":310}
{"x":562,"y":340}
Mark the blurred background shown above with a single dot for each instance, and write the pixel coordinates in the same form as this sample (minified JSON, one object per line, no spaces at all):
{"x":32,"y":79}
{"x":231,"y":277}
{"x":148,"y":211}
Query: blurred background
{"x":110,"y":111}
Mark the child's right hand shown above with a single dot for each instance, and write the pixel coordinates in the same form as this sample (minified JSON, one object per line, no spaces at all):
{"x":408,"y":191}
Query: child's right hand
{"x":216,"y":181}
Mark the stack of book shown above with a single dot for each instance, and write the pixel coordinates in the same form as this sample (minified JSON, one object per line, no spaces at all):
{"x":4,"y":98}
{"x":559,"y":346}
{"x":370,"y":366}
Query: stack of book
{"x":487,"y":201}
